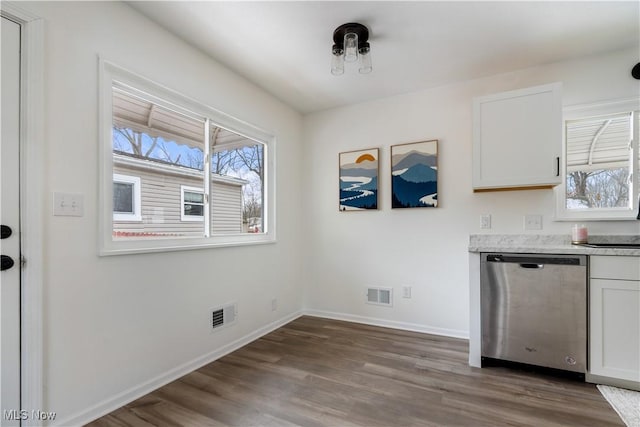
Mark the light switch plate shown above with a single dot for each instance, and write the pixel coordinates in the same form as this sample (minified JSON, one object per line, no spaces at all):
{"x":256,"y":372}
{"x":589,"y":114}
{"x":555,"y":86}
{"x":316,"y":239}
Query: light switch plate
{"x":406,"y":292}
{"x":68,"y":204}
{"x":533,"y":222}
{"x":485,"y":221}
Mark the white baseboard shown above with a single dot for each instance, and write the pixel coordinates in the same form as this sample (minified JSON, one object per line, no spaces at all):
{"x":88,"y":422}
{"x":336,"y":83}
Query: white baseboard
{"x":598,"y":379}
{"x":425,"y":329}
{"x":138,"y":391}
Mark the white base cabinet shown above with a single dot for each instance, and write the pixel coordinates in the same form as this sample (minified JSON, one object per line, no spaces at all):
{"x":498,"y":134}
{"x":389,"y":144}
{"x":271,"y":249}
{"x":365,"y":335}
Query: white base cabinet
{"x":614,"y":320}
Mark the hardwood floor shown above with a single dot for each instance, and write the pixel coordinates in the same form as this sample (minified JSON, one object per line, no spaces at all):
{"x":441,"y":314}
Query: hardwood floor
{"x":320,"y":372}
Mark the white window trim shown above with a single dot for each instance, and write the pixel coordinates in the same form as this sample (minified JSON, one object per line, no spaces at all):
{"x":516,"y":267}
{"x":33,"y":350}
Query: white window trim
{"x":604,"y":214}
{"x":137,"y":199}
{"x":109,"y":74}
{"x":190,"y":218}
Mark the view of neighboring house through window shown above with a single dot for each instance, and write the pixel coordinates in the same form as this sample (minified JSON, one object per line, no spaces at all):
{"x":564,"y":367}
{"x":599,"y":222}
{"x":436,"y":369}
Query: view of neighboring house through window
{"x":600,"y":156}
{"x":195,"y":178}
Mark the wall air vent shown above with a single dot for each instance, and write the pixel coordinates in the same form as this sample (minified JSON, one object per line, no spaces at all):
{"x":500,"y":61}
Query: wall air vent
{"x":223,"y":316}
{"x":380,"y":296}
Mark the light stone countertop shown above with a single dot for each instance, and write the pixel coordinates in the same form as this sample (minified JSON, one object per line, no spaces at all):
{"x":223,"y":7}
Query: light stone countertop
{"x":549,"y":244}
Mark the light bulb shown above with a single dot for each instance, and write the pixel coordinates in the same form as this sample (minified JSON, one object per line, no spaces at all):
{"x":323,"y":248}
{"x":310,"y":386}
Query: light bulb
{"x":337,"y":61}
{"x":350,"y":47}
{"x":365,"y":59}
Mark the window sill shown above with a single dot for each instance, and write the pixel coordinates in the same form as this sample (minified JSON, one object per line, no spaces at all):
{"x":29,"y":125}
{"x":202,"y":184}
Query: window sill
{"x":185,"y":219}
{"x":128,"y":247}
{"x":117,"y":218}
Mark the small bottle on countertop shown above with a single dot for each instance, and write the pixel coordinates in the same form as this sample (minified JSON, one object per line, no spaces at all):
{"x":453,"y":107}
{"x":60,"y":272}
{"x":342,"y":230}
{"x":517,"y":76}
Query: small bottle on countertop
{"x":579,"y":234}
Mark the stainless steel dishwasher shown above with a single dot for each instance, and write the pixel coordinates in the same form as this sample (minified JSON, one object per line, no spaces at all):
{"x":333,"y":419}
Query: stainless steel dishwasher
{"x":534,"y":310}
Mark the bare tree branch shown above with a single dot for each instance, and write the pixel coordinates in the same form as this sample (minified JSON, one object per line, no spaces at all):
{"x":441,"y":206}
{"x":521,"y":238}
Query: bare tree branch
{"x":153,"y":145}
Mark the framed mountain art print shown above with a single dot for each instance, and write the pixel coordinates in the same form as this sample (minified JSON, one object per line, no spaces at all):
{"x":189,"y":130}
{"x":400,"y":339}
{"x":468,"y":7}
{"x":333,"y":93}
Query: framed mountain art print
{"x":358,"y":178}
{"x":414,"y":175}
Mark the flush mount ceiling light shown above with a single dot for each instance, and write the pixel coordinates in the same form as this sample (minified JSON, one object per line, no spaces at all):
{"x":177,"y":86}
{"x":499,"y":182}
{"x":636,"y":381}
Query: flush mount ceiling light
{"x":350,"y":45}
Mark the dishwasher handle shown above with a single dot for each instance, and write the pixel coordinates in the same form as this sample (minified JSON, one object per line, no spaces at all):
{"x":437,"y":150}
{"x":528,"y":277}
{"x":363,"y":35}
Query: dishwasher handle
{"x":532,"y":266}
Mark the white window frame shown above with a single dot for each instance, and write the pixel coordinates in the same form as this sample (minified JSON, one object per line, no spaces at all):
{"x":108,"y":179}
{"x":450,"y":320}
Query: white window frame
{"x":137,"y":199}
{"x":604,"y":214}
{"x":190,"y":218}
{"x":110,"y":74}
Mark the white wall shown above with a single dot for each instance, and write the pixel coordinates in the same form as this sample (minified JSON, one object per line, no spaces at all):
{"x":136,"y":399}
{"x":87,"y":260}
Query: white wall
{"x":427,"y":248}
{"x":114,"y":323}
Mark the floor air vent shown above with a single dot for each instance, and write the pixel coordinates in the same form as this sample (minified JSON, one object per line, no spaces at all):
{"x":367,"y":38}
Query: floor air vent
{"x":223,"y":316}
{"x":380,"y":296}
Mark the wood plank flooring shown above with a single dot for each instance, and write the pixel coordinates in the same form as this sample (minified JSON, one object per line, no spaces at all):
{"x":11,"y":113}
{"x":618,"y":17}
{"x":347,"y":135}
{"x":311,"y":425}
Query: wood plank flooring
{"x":320,"y":372}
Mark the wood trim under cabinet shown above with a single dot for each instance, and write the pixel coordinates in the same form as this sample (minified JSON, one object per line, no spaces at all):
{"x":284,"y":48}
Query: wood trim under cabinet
{"x":535,"y":187}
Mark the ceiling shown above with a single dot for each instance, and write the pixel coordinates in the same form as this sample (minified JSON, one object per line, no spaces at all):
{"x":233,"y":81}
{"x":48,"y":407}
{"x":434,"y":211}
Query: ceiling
{"x":285,"y":47}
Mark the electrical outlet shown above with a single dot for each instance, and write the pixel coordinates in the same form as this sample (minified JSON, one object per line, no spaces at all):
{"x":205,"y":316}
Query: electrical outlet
{"x":67,"y":204}
{"x":406,"y":292}
{"x":485,"y":221}
{"x":533,"y":222}
{"x":274,"y":304}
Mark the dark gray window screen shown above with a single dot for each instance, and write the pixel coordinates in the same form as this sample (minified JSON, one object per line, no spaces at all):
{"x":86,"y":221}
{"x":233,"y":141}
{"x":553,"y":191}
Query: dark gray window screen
{"x":123,"y":197}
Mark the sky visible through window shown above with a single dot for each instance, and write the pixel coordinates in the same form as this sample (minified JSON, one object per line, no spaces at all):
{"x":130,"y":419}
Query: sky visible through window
{"x":157,"y":148}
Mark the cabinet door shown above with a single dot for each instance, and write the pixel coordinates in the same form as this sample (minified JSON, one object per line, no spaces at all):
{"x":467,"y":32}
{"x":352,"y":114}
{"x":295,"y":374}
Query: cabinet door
{"x":615,"y":328}
{"x":517,"y":138}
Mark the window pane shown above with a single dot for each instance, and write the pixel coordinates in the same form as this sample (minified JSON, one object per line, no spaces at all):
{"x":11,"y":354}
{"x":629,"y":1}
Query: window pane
{"x":193,"y":210}
{"x":601,"y":188}
{"x":599,"y":153}
{"x":237,"y":187}
{"x":193,"y":197}
{"x":123,"y":197}
{"x":165,"y":150}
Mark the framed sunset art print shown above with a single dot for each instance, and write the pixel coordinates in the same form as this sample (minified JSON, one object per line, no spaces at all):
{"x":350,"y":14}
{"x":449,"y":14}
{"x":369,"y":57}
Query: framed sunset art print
{"x":358,"y":180}
{"x":414,"y":175}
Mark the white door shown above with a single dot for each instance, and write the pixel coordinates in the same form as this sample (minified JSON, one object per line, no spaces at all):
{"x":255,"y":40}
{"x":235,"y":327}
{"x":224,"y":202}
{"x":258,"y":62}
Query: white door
{"x":10,"y":220}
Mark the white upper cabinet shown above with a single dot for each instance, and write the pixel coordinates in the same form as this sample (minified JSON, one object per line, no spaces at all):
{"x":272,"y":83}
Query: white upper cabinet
{"x":517,"y":138}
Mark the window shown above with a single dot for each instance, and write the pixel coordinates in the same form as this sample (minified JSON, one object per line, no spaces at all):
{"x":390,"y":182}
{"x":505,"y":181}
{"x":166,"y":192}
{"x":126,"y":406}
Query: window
{"x":192,"y":200}
{"x":126,"y":198}
{"x":601,"y":162}
{"x":207,"y":176}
